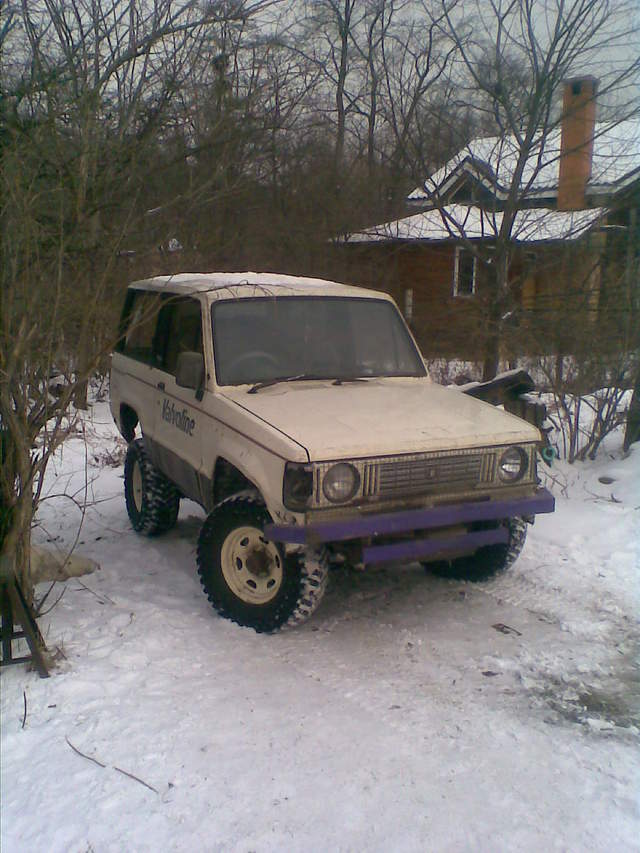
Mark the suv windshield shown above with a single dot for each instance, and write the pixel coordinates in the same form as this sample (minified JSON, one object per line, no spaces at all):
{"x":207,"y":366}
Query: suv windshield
{"x":259,"y":339}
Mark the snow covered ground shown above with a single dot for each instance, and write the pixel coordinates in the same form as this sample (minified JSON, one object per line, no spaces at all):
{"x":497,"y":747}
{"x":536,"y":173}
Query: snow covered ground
{"x":411,"y":713}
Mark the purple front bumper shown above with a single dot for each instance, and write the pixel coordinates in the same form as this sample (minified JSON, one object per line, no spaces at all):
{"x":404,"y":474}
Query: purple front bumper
{"x":396,"y":523}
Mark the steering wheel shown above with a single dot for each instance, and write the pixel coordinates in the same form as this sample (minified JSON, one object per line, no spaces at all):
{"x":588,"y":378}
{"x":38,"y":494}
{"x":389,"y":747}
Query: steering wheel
{"x":253,"y":355}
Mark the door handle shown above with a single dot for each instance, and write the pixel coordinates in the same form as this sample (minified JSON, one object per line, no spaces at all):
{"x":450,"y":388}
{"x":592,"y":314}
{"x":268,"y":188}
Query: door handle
{"x":160,"y":386}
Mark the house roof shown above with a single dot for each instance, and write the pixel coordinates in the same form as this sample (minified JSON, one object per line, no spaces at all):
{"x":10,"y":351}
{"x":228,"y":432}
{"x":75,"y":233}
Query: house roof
{"x":491,"y":161}
{"x":454,"y":220}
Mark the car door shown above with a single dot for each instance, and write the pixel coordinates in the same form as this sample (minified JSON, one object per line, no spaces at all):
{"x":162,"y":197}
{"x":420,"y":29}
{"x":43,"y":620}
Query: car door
{"x":178,"y":427}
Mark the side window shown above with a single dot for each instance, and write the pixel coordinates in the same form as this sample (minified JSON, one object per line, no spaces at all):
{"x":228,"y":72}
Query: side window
{"x":464,"y":273}
{"x":179,"y":330}
{"x":141,"y":310}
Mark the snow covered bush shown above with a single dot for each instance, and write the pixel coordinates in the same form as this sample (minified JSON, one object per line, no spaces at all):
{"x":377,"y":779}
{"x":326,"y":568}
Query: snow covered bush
{"x":453,"y":371}
{"x":581,"y":423}
{"x":585,"y":402}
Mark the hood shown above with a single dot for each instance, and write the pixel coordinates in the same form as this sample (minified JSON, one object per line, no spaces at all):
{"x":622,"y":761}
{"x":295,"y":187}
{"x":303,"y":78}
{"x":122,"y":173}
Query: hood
{"x":379,"y":417}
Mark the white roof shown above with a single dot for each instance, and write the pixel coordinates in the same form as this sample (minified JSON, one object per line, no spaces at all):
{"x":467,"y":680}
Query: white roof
{"x":456,"y":220}
{"x":223,"y":285}
{"x":492,"y":160}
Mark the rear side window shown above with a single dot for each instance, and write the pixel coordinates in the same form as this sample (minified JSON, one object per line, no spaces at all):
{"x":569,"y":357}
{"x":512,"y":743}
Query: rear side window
{"x":179,"y":330}
{"x":140,"y":318}
{"x":158,"y":327}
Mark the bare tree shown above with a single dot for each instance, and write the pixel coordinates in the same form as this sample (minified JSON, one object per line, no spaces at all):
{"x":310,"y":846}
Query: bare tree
{"x":416,"y":60}
{"x":86,"y":100}
{"x":372,"y":66}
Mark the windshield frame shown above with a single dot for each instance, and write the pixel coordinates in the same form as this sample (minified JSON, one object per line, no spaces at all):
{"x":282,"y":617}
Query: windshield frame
{"x":421,"y":369}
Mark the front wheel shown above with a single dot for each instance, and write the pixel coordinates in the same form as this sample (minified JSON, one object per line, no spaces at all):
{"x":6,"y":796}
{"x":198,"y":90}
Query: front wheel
{"x":486,"y":562}
{"x":249,"y":579}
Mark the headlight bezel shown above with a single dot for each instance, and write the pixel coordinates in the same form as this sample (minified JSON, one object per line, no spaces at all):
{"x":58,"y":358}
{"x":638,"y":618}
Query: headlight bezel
{"x":518,"y":456}
{"x":336,"y":471}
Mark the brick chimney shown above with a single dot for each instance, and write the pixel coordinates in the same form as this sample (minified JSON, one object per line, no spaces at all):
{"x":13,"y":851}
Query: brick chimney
{"x":578,"y":126}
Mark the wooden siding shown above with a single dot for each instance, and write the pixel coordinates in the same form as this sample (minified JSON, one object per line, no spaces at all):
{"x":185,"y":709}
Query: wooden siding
{"x":557,"y":290}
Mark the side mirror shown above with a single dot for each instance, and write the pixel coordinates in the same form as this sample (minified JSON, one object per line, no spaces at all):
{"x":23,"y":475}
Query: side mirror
{"x":190,"y":372}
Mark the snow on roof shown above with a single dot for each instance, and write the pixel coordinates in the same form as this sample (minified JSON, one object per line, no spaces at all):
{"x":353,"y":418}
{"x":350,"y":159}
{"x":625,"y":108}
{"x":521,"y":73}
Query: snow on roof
{"x":247,"y":284}
{"x":455,"y":220}
{"x":492,"y":161}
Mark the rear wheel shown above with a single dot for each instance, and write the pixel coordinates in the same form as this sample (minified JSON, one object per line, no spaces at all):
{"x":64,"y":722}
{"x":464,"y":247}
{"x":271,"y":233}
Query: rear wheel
{"x":249,"y":579}
{"x":486,"y":562}
{"x":152,"y":500}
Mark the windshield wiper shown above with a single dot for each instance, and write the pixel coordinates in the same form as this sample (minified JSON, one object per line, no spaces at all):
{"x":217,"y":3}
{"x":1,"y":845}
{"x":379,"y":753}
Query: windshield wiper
{"x":295,"y":378}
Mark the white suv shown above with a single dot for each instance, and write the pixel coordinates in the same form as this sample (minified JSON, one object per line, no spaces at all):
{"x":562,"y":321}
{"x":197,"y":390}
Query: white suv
{"x":299,"y":414}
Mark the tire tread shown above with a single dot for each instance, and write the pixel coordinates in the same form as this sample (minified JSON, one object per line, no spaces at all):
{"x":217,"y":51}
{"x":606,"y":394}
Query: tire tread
{"x":161,"y":499}
{"x":486,"y":562}
{"x":309,"y":567}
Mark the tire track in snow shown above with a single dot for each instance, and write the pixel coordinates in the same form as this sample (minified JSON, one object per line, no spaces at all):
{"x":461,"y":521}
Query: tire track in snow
{"x":532,"y":585}
{"x":594,"y":678}
{"x":393,"y":671}
{"x":414,"y":679}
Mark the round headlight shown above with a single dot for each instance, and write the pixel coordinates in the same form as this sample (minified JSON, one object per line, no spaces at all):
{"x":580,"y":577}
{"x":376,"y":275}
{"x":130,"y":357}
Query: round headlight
{"x":512,"y":465}
{"x":340,"y":483}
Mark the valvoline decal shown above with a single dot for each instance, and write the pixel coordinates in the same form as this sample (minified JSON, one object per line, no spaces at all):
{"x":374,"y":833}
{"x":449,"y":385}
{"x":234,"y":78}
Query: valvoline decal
{"x":176,"y":417}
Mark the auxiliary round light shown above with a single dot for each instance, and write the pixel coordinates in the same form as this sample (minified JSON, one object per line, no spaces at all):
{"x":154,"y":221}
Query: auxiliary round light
{"x":512,"y":465}
{"x":340,"y":483}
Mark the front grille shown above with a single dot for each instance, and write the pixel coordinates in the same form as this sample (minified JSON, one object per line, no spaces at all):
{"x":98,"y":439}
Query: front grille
{"x":412,"y":475}
{"x":423,"y":475}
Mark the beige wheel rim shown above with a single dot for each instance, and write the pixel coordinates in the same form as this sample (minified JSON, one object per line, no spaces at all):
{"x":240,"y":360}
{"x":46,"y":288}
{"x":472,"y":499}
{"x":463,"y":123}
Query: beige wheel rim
{"x":252,"y":566}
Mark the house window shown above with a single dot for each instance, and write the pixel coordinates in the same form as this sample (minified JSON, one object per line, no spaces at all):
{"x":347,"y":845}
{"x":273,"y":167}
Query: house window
{"x":464,"y":273}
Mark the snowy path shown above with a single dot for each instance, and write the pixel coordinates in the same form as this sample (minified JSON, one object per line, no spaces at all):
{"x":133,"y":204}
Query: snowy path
{"x":398,"y":718}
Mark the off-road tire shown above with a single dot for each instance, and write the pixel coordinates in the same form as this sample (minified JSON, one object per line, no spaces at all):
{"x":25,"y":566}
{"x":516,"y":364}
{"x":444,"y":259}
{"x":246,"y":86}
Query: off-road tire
{"x":486,"y":562}
{"x":301,"y":577}
{"x":152,"y":500}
